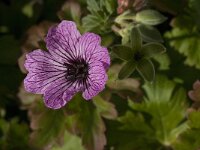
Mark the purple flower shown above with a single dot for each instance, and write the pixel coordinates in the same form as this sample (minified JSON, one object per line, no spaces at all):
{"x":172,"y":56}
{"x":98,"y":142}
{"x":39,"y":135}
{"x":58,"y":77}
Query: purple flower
{"x":74,"y":63}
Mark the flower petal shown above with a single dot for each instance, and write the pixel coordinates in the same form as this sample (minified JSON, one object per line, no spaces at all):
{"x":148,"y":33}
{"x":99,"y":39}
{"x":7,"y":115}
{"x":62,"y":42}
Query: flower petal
{"x":42,"y":71}
{"x":61,"y":40}
{"x":90,"y":49}
{"x":58,"y":94}
{"x":96,"y":80}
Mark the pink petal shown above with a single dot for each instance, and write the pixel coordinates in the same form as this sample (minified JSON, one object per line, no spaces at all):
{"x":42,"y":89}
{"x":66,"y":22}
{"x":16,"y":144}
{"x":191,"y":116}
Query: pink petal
{"x":58,"y":94}
{"x":42,"y":71}
{"x":61,"y":40}
{"x":90,"y":49}
{"x":96,"y":80}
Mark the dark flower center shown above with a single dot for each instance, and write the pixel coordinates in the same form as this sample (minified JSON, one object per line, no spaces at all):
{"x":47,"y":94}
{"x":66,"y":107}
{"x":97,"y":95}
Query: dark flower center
{"x":138,"y":56}
{"x":77,"y":70}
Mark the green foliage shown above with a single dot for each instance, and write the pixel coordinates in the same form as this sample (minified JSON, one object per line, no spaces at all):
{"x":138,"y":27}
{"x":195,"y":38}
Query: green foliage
{"x":163,"y":60}
{"x":47,"y":125}
{"x":88,"y":120}
{"x":144,"y":20}
{"x":146,"y":69}
{"x":127,"y":69}
{"x":166,"y":108}
{"x":150,"y":17}
{"x":185,"y":41}
{"x":153,"y":115}
{"x":150,"y":34}
{"x":123,"y":52}
{"x":137,"y":56}
{"x":160,"y":117}
{"x":135,"y":127}
{"x":15,"y":133}
{"x":190,"y":138}
{"x":136,"y":39}
{"x":185,"y":34}
{"x":104,"y":108}
{"x":71,"y":142}
{"x":99,"y":19}
{"x":152,"y":49}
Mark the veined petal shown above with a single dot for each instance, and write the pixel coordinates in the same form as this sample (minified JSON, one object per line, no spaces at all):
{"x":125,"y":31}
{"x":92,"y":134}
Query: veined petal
{"x":96,"y":80}
{"x":58,"y":94}
{"x":61,"y":40}
{"x":101,"y":54}
{"x":91,"y":50}
{"x":42,"y":71}
{"x":39,"y":59}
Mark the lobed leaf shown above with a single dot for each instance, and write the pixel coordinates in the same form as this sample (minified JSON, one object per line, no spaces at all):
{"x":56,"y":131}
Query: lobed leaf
{"x":123,"y":52}
{"x":136,"y":39}
{"x":47,"y":125}
{"x":127,"y":69}
{"x":152,"y":49}
{"x":166,"y":106}
{"x":146,"y":69}
{"x":150,"y":34}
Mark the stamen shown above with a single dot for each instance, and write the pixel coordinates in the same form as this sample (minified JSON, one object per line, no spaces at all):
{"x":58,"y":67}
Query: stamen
{"x":77,"y":70}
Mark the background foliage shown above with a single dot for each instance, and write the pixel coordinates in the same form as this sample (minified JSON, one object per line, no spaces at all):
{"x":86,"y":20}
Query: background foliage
{"x":131,"y":113}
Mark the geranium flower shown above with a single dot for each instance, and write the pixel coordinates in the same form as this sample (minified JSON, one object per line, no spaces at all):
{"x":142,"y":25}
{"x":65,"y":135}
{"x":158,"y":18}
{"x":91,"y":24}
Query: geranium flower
{"x":73,"y":63}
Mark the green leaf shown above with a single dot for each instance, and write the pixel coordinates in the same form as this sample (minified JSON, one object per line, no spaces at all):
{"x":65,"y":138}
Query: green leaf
{"x":132,"y":126}
{"x":93,"y":129}
{"x":127,"y":70}
{"x":190,"y":138}
{"x":188,"y":141}
{"x":126,"y":84}
{"x":123,"y":52}
{"x":125,"y":34}
{"x":88,"y":122}
{"x":150,"y":34}
{"x":185,"y":41}
{"x":146,"y":69}
{"x":136,"y":39}
{"x":150,"y":17}
{"x":104,"y":108}
{"x":154,"y":92}
{"x":184,"y":36}
{"x":152,"y":49}
{"x":47,"y":124}
{"x":163,"y":60}
{"x":98,"y":20}
{"x":135,"y":122}
{"x":93,"y":6}
{"x":71,"y":142}
{"x":92,"y":22}
{"x":97,"y":23}
{"x":110,"y":5}
{"x":166,"y":105}
{"x":12,"y":132}
{"x":194,"y":120}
